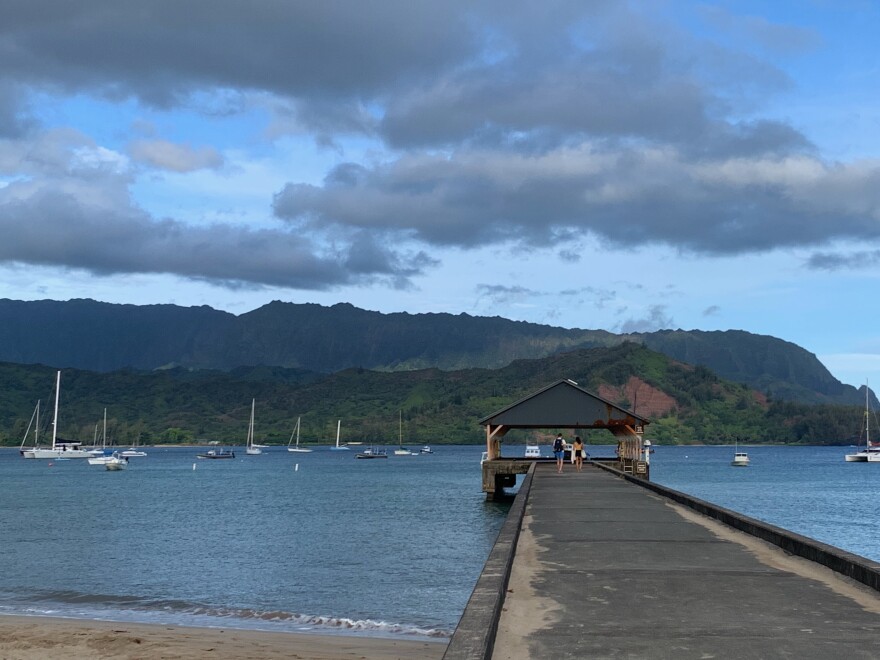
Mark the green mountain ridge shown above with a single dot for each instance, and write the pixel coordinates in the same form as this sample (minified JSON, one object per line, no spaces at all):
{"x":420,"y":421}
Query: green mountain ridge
{"x":96,"y":336}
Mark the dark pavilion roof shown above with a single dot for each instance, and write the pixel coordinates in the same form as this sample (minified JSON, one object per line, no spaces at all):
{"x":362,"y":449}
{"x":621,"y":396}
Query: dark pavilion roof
{"x":563,"y":404}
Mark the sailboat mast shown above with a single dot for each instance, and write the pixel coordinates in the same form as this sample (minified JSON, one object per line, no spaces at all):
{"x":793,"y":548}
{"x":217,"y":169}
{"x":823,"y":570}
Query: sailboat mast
{"x":55,"y":420}
{"x":867,"y":418}
{"x":104,"y":434}
{"x":250,"y":440}
{"x":297,"y":432}
{"x":400,"y":429}
{"x":338,"y":425}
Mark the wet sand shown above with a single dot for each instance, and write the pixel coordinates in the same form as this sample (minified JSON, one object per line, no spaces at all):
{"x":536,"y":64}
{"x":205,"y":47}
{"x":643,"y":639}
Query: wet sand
{"x":42,"y":638}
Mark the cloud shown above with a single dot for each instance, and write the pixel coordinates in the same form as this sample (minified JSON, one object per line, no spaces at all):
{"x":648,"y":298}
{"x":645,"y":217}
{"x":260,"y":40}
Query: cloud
{"x":499,"y":294}
{"x":712,"y":310}
{"x":165,"y":155}
{"x":830,"y":261}
{"x":164,"y":53}
{"x":655,"y":320}
{"x":72,"y":209}
{"x":788,"y":39}
{"x":487,"y":125}
{"x":629,"y":196}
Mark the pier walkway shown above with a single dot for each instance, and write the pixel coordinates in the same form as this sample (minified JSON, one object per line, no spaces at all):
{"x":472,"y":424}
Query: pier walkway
{"x":600,"y":567}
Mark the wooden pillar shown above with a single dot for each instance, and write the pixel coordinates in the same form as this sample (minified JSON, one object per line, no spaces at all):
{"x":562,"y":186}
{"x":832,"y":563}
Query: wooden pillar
{"x":493,"y":441}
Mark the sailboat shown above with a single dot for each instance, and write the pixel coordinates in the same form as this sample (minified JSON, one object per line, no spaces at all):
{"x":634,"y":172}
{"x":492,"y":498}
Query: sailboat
{"x":103,"y":458}
{"x":95,"y":450}
{"x":339,"y":447}
{"x":869,"y":454}
{"x":60,"y":448}
{"x":251,"y":449}
{"x":296,"y":448}
{"x":401,"y":450}
{"x":35,"y":416}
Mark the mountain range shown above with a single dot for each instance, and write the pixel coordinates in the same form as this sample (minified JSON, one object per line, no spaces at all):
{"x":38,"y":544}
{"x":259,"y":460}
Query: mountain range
{"x":685,"y":403}
{"x":103,"y":337}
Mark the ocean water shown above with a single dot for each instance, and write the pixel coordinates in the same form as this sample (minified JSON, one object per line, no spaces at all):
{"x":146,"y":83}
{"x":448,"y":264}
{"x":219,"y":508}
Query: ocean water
{"x":317,"y":542}
{"x":808,"y":490}
{"x":325,"y":543}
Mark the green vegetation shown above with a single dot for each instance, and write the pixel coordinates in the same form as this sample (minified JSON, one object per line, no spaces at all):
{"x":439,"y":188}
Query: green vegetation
{"x":95,"y":336}
{"x":186,"y":406}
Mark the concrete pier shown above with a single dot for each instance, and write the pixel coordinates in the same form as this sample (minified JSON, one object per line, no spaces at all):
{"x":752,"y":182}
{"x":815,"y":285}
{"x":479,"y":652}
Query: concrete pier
{"x":595,"y":565}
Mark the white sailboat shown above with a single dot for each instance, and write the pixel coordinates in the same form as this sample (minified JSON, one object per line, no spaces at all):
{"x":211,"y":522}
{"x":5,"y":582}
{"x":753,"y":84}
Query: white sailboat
{"x":95,"y":450}
{"x":869,"y":454}
{"x":401,"y":450}
{"x":297,"y":448}
{"x":35,"y":417}
{"x":103,"y":458}
{"x":251,"y":449}
{"x":59,"y":448}
{"x":339,"y":447}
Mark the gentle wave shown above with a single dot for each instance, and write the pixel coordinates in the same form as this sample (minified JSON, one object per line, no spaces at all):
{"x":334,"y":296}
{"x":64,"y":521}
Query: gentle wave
{"x":329,"y":623}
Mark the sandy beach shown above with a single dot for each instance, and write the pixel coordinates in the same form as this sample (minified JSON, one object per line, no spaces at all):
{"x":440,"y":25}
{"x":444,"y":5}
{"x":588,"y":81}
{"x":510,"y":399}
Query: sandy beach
{"x":42,"y":638}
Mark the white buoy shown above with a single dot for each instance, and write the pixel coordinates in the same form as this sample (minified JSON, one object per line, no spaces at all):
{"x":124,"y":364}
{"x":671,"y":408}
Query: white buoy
{"x":296,"y":468}
{"x":194,"y":466}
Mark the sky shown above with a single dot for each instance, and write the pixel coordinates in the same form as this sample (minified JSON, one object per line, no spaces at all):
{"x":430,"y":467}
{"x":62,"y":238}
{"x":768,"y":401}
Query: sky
{"x":601,"y":164}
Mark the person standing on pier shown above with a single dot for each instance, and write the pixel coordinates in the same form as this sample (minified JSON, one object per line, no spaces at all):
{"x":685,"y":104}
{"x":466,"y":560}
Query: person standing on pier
{"x":559,"y":451}
{"x":578,"y":453}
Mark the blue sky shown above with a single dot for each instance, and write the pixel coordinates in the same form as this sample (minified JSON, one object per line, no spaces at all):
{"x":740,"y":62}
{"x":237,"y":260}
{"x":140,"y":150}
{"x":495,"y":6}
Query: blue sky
{"x":629,"y":166}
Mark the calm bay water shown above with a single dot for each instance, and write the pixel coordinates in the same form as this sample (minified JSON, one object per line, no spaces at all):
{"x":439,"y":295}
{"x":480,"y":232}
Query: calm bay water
{"x":390,"y":546}
{"x":383,"y":547}
{"x":808,"y":490}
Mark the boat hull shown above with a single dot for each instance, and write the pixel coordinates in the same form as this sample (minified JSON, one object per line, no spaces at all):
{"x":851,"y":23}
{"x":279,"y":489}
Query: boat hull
{"x":56,"y":453}
{"x":216,"y":455}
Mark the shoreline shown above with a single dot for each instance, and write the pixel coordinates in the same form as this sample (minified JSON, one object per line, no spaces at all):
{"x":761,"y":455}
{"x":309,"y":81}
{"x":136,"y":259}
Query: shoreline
{"x":25,"y":637}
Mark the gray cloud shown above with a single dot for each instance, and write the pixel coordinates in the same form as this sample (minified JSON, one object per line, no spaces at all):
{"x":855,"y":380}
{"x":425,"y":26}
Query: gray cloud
{"x":166,"y":155}
{"x":831,"y":261}
{"x":656,"y":319}
{"x":163,"y":52}
{"x":536,"y":124}
{"x":500,"y":294}
{"x":767,"y":34}
{"x":712,"y":310}
{"x":630,"y":197}
{"x":103,"y":235}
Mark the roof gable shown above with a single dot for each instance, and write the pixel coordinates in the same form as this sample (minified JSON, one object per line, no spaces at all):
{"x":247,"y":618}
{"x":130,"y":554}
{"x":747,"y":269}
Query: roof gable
{"x":563,"y":404}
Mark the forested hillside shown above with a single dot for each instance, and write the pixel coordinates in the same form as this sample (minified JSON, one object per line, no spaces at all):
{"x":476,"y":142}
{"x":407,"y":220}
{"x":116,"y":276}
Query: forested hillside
{"x":685,"y":403}
{"x":95,"y":336}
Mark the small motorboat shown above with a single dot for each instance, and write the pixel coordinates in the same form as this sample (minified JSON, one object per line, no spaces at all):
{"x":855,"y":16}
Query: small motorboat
{"x":116,"y":462}
{"x":426,"y":450}
{"x":533,"y":451}
{"x":740,"y":459}
{"x":372,"y":453}
{"x":217,"y":453}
